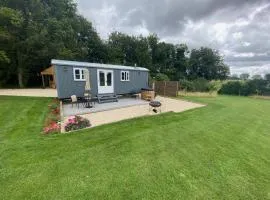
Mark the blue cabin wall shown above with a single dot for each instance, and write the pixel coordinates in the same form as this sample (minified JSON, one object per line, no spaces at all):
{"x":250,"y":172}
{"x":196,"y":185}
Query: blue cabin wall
{"x":137,"y":81}
{"x":66,"y":86}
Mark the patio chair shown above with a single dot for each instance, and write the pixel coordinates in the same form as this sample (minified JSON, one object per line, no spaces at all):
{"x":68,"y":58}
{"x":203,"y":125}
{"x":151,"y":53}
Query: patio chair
{"x":74,"y":100}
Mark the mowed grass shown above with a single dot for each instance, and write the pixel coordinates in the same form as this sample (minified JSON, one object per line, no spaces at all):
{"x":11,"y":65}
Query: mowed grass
{"x":221,"y":151}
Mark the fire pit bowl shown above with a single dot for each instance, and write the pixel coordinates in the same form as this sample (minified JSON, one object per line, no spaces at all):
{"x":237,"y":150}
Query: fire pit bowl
{"x":154,"y":105}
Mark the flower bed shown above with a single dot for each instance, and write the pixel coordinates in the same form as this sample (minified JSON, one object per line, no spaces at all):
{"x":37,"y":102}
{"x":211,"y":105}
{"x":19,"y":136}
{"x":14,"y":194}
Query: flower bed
{"x":76,"y":123}
{"x":52,"y":122}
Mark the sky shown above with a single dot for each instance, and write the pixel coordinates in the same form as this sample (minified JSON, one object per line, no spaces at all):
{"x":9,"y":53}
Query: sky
{"x":239,"y":29}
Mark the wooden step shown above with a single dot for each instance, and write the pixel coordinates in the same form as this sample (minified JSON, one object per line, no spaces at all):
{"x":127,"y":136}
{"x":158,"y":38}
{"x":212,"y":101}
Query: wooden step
{"x":106,"y":98}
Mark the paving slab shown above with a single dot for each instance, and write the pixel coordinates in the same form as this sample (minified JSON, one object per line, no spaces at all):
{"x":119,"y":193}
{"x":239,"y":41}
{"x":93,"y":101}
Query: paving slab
{"x":118,"y":114}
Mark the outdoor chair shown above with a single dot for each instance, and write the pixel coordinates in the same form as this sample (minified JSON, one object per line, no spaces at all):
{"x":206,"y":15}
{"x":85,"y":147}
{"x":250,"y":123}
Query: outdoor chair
{"x":74,"y":100}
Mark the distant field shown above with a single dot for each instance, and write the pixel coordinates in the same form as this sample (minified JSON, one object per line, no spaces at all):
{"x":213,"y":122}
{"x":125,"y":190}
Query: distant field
{"x":221,"y":151}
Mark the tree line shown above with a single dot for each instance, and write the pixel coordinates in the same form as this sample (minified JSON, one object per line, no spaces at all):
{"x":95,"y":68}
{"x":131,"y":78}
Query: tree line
{"x":256,"y":86}
{"x":246,"y":76}
{"x":32,"y":32}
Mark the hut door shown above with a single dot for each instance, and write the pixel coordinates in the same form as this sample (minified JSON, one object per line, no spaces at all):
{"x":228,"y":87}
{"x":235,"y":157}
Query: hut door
{"x":105,"y":81}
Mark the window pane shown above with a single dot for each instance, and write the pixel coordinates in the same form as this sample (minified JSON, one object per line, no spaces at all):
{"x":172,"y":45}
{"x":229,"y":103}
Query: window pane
{"x":77,"y":72}
{"x":82,"y":72}
{"x":101,"y":79}
{"x":123,"y":76}
{"x":127,"y":76}
{"x":77,"y":76}
{"x":109,"y":79}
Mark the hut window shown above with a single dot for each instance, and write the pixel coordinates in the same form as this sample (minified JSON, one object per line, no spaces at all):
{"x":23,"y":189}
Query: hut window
{"x":78,"y":74}
{"x":101,"y":79}
{"x":124,"y":75}
{"x":109,"y":79}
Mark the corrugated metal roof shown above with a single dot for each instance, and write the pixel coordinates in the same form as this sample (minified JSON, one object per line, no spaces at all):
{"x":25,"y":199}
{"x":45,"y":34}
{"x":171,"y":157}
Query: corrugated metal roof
{"x":97,"y":65}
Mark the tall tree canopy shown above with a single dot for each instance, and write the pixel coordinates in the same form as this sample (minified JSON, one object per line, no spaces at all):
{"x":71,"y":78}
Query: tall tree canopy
{"x":207,"y":63}
{"x":44,"y":29}
{"x":32,"y":32}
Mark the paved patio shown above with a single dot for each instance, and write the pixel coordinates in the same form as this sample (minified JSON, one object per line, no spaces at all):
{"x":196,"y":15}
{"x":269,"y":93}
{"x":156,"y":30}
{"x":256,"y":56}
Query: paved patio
{"x":68,"y":110}
{"x":118,"y":114}
{"x":29,"y":92}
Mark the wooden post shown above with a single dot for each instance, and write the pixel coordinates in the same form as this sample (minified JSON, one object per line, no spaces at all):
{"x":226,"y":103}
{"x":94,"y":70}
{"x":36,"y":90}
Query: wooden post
{"x":177,"y":88}
{"x":43,"y":83}
{"x":153,"y":85}
{"x":164,"y":92}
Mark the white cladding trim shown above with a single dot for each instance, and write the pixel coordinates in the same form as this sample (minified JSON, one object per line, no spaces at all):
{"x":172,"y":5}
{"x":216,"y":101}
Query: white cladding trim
{"x":95,"y":65}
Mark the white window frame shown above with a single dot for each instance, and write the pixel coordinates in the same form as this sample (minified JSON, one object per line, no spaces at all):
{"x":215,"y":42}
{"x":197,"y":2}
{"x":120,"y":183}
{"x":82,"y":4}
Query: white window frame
{"x":126,"y":76}
{"x":81,"y":70}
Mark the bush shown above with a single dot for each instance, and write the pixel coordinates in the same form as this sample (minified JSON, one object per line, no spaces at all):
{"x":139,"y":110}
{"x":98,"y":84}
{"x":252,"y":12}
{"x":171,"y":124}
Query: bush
{"x":161,"y":77}
{"x":231,"y":88}
{"x":53,"y":127}
{"x":198,"y":85}
{"x":186,"y":85}
{"x":257,"y":86}
{"x":215,"y":85}
{"x":201,"y":85}
{"x":52,"y":122}
{"x":244,"y":88}
{"x":76,"y":122}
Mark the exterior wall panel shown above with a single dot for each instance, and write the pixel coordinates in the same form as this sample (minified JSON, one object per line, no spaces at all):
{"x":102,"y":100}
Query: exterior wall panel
{"x":66,"y":86}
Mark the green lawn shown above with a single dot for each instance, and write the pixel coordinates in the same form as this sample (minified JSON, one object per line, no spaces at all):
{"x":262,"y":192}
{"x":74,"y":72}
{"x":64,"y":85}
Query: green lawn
{"x":221,"y":151}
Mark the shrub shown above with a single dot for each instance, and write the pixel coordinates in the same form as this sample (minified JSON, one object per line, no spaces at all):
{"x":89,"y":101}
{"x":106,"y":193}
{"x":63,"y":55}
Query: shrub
{"x":201,"y":85}
{"x":52,"y":128}
{"x":186,"y":85}
{"x":257,"y":86}
{"x":161,"y":77}
{"x":215,"y":85}
{"x":76,"y":122}
{"x":231,"y":88}
{"x":197,"y":85}
{"x":52,"y":122}
{"x":235,"y":88}
{"x":249,"y":87}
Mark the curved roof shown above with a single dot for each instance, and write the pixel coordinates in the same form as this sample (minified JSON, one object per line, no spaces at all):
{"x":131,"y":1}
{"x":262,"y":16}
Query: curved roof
{"x":96,"y":65}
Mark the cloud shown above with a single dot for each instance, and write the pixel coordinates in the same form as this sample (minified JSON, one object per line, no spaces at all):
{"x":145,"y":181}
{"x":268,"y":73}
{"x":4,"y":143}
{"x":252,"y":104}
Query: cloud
{"x":239,"y":29}
{"x":250,"y":67}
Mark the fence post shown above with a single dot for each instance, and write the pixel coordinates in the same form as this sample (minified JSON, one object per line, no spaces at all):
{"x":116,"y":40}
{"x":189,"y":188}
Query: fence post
{"x":164,"y":92}
{"x":177,"y":88}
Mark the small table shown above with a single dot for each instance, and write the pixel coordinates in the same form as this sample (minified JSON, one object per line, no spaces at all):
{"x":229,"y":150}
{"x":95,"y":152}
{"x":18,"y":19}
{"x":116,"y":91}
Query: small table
{"x":154,"y":105}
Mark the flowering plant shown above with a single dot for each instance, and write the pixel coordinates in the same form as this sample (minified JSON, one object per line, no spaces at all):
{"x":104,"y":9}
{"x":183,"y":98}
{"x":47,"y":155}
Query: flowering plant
{"x":52,"y":128}
{"x":76,"y":122}
{"x":52,"y":122}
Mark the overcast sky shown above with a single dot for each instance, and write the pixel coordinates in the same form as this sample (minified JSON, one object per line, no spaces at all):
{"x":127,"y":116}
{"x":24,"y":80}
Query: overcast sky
{"x":239,"y":29}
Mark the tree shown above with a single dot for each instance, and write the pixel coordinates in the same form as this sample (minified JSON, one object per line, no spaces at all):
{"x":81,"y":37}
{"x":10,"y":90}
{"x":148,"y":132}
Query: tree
{"x":257,"y":76}
{"x":181,"y":61}
{"x":234,"y":77}
{"x":49,"y":29}
{"x":267,"y":77}
{"x":161,"y":77}
{"x":165,"y":54}
{"x":128,"y":50}
{"x":244,"y":76}
{"x":10,"y":20}
{"x":153,"y":41}
{"x":207,"y":63}
{"x":32,"y":32}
